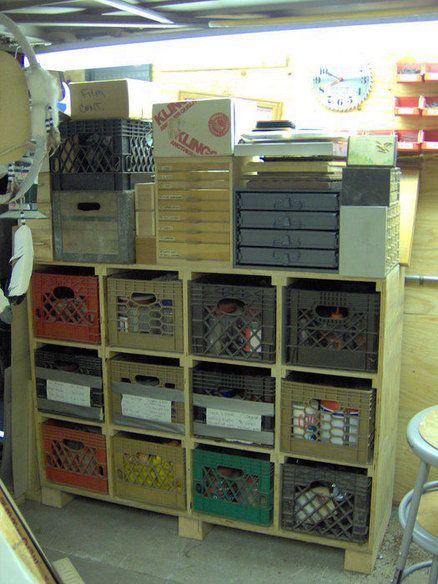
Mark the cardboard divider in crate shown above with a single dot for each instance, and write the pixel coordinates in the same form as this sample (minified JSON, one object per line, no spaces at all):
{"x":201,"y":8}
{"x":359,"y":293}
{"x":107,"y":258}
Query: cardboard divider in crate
{"x":147,"y":393}
{"x":232,"y":404}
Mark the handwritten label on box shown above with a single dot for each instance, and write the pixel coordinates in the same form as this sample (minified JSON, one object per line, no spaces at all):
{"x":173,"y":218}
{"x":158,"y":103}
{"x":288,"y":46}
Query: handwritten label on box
{"x":146,"y":408}
{"x":69,"y":393}
{"x":226,"y":419}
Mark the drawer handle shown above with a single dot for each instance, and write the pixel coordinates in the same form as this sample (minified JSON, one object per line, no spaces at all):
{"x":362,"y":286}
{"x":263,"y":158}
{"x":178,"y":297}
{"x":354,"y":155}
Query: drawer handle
{"x":87,"y":207}
{"x":287,"y":222}
{"x":288,"y":203}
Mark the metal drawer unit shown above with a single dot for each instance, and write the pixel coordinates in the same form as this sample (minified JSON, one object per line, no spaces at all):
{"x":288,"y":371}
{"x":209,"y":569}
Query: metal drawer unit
{"x":286,"y":229}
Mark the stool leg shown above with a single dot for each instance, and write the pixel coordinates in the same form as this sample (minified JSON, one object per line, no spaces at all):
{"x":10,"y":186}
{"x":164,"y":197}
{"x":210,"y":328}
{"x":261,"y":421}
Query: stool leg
{"x":433,"y":577}
{"x":423,"y":473}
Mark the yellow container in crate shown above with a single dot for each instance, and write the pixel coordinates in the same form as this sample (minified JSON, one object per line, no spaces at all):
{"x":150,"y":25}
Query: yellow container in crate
{"x":150,"y":470}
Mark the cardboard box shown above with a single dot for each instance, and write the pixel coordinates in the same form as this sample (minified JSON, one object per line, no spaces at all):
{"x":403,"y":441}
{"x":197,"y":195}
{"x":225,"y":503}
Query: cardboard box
{"x":144,"y":196}
{"x":145,"y":224}
{"x":145,"y":251}
{"x":204,"y":127}
{"x":372,"y":150}
{"x":105,"y":100}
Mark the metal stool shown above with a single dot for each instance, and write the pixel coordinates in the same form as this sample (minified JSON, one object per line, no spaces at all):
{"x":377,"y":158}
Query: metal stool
{"x":424,"y":529}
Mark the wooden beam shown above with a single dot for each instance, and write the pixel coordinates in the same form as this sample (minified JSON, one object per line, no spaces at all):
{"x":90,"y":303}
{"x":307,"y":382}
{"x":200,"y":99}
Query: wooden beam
{"x":409,"y":189}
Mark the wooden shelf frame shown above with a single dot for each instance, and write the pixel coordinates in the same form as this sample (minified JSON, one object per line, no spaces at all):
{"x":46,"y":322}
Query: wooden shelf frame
{"x":358,"y":557}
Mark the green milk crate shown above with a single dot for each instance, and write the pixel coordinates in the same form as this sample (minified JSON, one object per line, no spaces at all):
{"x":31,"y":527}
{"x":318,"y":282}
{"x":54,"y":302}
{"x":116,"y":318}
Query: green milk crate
{"x":236,"y":487}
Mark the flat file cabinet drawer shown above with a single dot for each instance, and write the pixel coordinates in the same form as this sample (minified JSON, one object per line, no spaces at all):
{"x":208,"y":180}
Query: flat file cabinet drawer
{"x":288,"y":220}
{"x":306,"y":258}
{"x":288,"y":239}
{"x":287,"y":201}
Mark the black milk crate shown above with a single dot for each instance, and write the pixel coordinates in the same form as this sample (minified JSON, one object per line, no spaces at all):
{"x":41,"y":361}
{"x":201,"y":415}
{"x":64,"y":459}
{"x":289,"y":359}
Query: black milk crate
{"x":325,"y":500}
{"x":103,"y":155}
{"x":332,"y":324}
{"x":233,"y":317}
{"x":233,"y":403}
{"x":69,"y":381}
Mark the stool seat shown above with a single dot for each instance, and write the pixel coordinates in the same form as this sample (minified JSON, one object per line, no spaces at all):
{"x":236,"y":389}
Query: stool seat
{"x":427,"y":516}
{"x":421,"y":447}
{"x":418,"y":510}
{"x":429,"y":428}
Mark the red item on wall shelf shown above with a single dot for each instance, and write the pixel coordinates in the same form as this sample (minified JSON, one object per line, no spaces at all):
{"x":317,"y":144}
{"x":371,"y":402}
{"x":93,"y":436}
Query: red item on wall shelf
{"x":407,"y":106}
{"x":430,"y":71}
{"x":430,"y":140}
{"x":409,"y":73}
{"x":409,"y":140}
{"x":429,"y":105}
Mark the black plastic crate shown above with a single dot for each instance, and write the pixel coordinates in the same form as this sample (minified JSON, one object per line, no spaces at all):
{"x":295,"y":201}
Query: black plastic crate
{"x":325,"y":500}
{"x":103,"y":181}
{"x":233,"y":404}
{"x":69,"y":381}
{"x":233,"y":317}
{"x":103,"y":154}
{"x":332,"y":324}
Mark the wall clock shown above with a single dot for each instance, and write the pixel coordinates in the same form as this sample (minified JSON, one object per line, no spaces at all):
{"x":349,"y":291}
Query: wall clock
{"x":342,"y":87}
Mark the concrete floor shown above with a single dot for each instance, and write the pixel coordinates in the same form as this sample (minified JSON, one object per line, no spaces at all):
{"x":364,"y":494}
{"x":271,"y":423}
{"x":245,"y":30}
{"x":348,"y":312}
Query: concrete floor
{"x":111,"y":544}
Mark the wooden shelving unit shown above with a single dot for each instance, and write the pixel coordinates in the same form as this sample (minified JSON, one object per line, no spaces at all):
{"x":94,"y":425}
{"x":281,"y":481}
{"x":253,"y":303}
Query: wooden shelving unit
{"x":193,"y":524}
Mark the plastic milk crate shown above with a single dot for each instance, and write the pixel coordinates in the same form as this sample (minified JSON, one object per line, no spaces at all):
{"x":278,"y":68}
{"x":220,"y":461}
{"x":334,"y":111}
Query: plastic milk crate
{"x":102,"y":155}
{"x":328,"y":416}
{"x":325,"y":500}
{"x":233,"y":317}
{"x":147,"y":392}
{"x":145,"y":311}
{"x":332,"y":324}
{"x":231,"y":402}
{"x":75,"y":455}
{"x":150,"y":470}
{"x":69,"y":381}
{"x":66,"y":306}
{"x":238,"y":487}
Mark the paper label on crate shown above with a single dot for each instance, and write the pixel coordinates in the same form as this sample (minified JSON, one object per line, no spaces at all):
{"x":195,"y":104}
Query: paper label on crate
{"x":227,"y":419}
{"x":146,"y":408}
{"x":69,"y":393}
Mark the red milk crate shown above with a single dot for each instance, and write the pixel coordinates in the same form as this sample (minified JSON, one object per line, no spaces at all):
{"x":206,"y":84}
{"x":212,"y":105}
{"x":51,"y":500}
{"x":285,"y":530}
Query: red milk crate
{"x":407,"y":106}
{"x":75,"y":457}
{"x":66,"y":307}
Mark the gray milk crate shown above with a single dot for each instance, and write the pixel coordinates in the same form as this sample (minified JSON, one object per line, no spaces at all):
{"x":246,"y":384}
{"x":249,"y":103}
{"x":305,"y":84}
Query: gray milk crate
{"x":274,"y":201}
{"x":233,"y":317}
{"x":94,"y":226}
{"x":233,"y":404}
{"x":325,"y":500}
{"x":276,"y":238}
{"x":301,"y":258}
{"x":371,"y":185}
{"x":369,"y":240}
{"x":69,"y":382}
{"x":333,"y":325}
